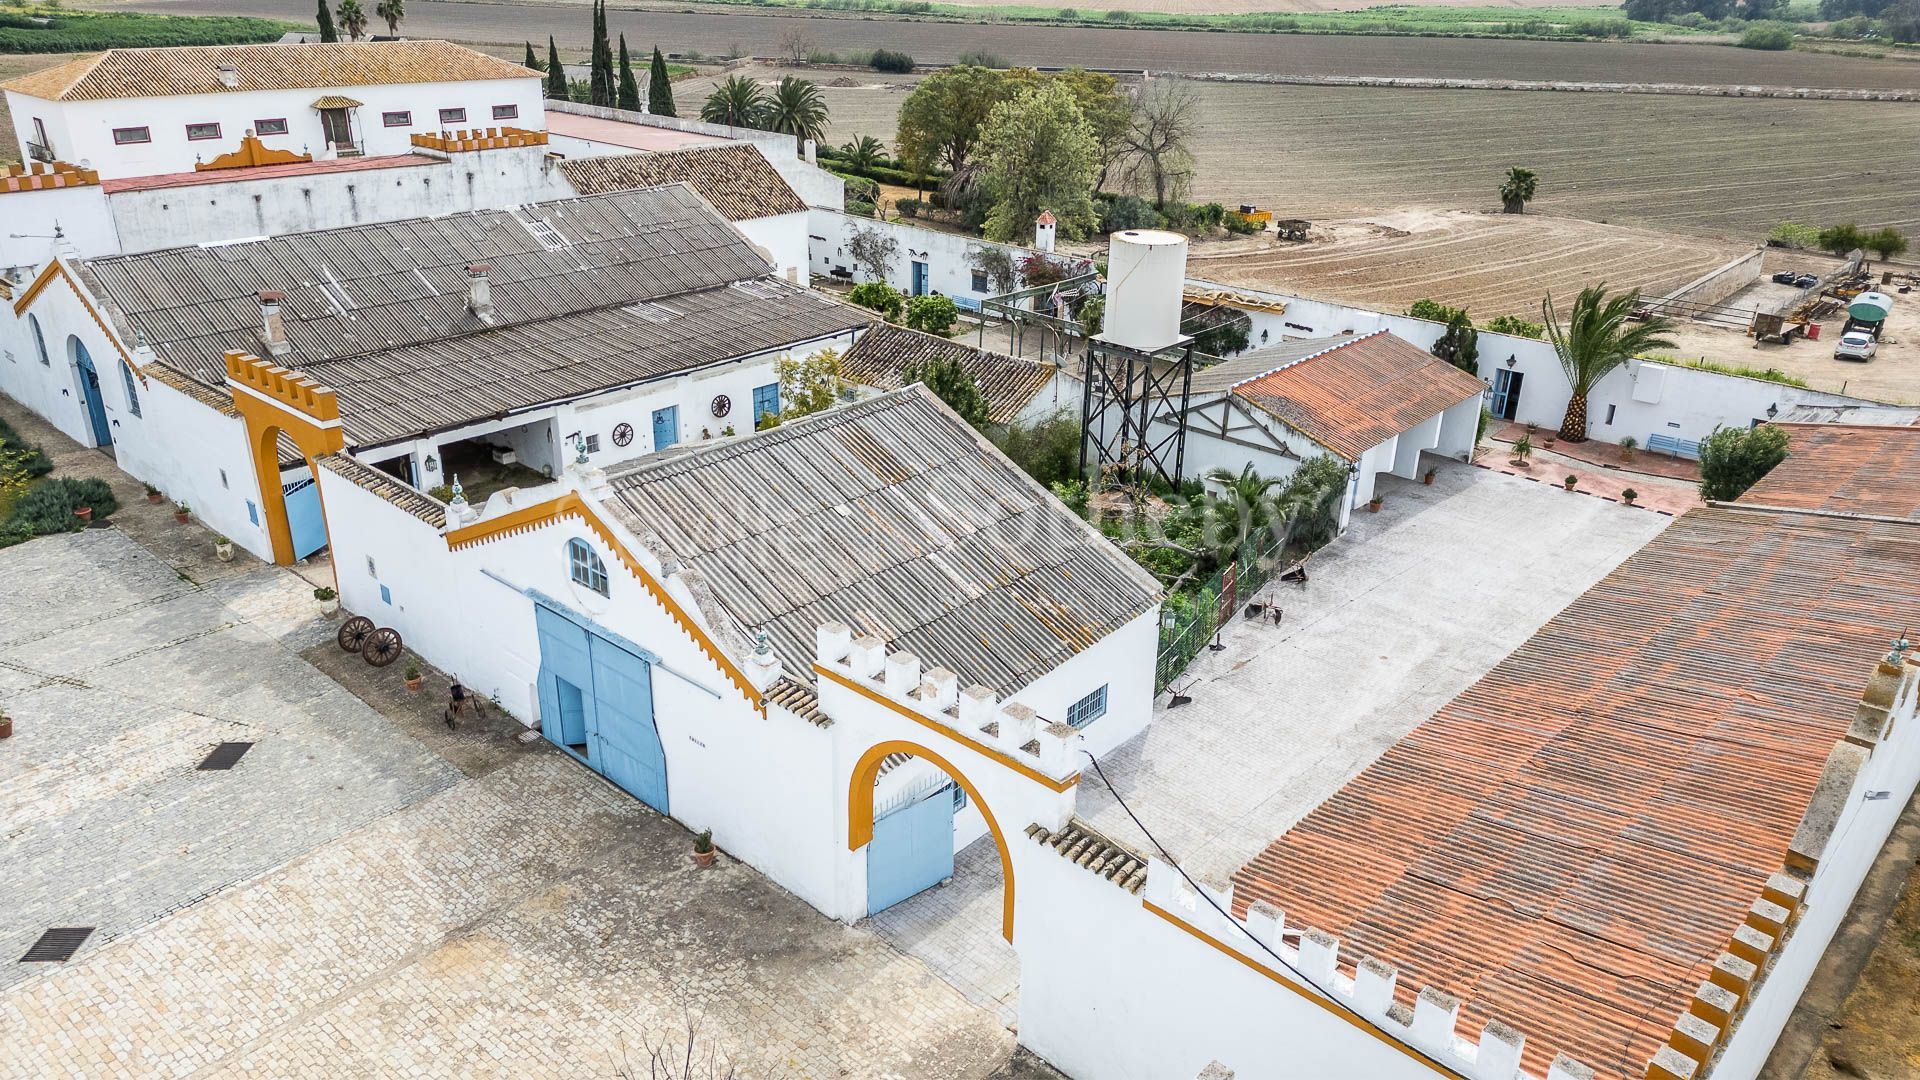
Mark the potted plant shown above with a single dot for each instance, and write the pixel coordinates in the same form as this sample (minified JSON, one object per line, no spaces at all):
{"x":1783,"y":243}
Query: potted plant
{"x":414,"y":678}
{"x":1548,"y":445}
{"x":181,"y":511}
{"x":703,"y":848}
{"x":329,"y":599}
{"x":1373,"y":504}
{"x":1571,"y":480}
{"x":1427,"y":477}
{"x":1628,"y":496}
{"x":1522,"y":449}
{"x":153,"y":494}
{"x":223,"y":549}
{"x":6,"y":726}
{"x":1627,"y":446}
{"x":84,"y":513}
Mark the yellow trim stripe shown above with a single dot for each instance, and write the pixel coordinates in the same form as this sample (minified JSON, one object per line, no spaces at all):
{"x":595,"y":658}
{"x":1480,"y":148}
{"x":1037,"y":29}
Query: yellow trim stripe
{"x":57,"y":268}
{"x":998,"y":755}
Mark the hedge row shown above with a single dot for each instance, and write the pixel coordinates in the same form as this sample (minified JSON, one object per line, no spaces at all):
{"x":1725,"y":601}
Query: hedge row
{"x":87,"y":32}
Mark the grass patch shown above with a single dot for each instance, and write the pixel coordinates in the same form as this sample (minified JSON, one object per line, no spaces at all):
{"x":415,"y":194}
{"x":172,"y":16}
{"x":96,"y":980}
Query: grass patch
{"x":1772,"y":375}
{"x":55,"y":30}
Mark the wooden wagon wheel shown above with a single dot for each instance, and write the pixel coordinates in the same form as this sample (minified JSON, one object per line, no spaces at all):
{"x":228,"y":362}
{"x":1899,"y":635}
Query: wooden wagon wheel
{"x":382,"y":647}
{"x":353,"y":633}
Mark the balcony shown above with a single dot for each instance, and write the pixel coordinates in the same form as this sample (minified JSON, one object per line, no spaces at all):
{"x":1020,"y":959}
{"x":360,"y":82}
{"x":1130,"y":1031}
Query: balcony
{"x":37,"y":151}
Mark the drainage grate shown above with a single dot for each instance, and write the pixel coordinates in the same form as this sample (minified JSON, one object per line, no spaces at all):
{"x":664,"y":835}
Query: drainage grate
{"x":57,"y":944}
{"x":226,"y":755}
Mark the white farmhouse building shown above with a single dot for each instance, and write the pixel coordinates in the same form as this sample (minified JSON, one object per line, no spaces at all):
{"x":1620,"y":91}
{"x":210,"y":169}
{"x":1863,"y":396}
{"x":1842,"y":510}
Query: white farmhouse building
{"x":142,"y":112}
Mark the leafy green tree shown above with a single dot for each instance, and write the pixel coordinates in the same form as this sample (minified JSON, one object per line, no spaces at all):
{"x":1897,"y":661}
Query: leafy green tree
{"x":532,"y":62}
{"x":325,"y":18}
{"x":1460,"y":345}
{"x":950,"y":383}
{"x":1158,"y":158}
{"x":864,"y":153}
{"x":933,"y":315}
{"x":1597,"y":338}
{"x":352,"y":18}
{"x":1517,"y":326}
{"x":878,"y":296}
{"x":810,"y":384}
{"x":1108,"y":111}
{"x":941,"y":119}
{"x":391,"y":12}
{"x":1841,"y":239}
{"x":1039,"y":155}
{"x":1434,"y":311}
{"x":737,"y":102}
{"x":601,"y":86}
{"x":797,"y":108}
{"x":556,"y":73}
{"x":1734,"y":459}
{"x":1885,"y":243}
{"x":628,"y":97}
{"x":1516,"y":190}
{"x":659,"y":87}
{"x":1218,"y":331}
{"x":1767,"y":37}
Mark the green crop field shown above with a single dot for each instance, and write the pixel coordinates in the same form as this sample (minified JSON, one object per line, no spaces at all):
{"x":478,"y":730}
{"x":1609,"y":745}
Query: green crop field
{"x":44,"y":29}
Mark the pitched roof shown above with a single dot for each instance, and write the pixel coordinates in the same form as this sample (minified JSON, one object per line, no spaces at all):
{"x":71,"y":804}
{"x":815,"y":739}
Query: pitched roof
{"x":1353,"y":394}
{"x":1569,"y":844}
{"x":195,"y":69}
{"x":895,"y":517}
{"x":886,"y":350}
{"x":737,"y":179}
{"x":589,"y":293}
{"x":1854,"y":470}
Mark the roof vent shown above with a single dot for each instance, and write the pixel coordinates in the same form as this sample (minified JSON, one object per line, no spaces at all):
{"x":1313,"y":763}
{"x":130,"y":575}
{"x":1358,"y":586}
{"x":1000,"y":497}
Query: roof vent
{"x":480,"y":292}
{"x":229,"y":76}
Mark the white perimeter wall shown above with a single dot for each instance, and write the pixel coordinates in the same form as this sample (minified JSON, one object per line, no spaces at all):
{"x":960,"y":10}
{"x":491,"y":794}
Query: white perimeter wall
{"x":28,"y":218}
{"x":82,"y":131}
{"x":783,"y":238}
{"x":947,"y":255}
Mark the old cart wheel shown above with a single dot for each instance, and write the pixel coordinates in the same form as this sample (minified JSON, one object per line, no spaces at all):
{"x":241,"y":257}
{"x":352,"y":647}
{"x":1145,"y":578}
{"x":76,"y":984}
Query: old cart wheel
{"x":382,"y":647}
{"x":353,"y":633}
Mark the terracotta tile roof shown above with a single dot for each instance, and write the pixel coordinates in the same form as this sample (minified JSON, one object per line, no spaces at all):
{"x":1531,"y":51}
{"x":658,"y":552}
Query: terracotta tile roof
{"x":886,"y":350}
{"x":266,"y":172}
{"x":737,"y":179}
{"x":1846,"y":469}
{"x":1570,"y":844}
{"x":37,"y":176}
{"x":1090,"y":849}
{"x":1356,"y":394}
{"x":799,"y":699}
{"x":195,"y":69}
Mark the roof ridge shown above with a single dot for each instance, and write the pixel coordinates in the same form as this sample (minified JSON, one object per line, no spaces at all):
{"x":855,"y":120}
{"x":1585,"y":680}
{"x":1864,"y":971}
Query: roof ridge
{"x":1344,"y":341}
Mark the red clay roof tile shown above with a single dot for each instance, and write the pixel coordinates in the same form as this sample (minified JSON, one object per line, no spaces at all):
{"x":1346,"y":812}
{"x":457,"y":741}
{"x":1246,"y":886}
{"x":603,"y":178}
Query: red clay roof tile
{"x":1360,"y":393}
{"x":1839,"y":467}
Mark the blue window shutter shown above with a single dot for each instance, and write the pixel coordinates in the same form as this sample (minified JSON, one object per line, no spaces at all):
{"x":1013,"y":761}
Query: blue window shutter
{"x":386,"y":597}
{"x":253,"y":512}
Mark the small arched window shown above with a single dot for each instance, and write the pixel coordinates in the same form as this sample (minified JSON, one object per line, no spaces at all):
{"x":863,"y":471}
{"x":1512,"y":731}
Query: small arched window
{"x":586,"y":567}
{"x":133,"y":390}
{"x":39,"y":340}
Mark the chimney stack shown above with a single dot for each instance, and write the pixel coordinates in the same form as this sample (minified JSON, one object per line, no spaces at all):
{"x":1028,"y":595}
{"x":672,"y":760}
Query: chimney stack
{"x":480,"y":291}
{"x":812,"y":153}
{"x":229,"y":76}
{"x":273,"y":329}
{"x":1043,"y":228}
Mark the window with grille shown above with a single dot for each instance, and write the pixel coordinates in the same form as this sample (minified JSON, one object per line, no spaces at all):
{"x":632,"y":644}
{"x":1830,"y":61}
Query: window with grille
{"x":396,"y":119}
{"x":506,"y":112}
{"x":39,"y":340}
{"x":133,"y":390}
{"x":270,"y":127}
{"x":453,"y":116}
{"x":200,"y":132}
{"x":127,"y":136}
{"x":586,"y":567}
{"x":1088,"y":709}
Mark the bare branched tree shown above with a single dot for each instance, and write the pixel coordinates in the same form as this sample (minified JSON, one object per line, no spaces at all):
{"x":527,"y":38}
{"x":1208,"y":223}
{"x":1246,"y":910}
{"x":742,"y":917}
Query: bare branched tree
{"x":670,"y":1059}
{"x":873,"y":251}
{"x":1157,"y":156}
{"x":796,"y":44}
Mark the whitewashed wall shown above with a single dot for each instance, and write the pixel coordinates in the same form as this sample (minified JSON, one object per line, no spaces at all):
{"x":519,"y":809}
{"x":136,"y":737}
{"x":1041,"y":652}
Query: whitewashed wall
{"x":82,"y":131}
{"x":1124,"y":663}
{"x":947,"y":255}
{"x":783,"y":238}
{"x":28,"y":220}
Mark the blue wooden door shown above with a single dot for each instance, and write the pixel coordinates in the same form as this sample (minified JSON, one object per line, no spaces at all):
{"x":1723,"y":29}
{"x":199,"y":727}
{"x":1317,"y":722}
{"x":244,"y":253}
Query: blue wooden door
{"x":919,"y":279}
{"x":304,"y":519}
{"x":626,"y":742}
{"x":911,"y":851}
{"x":666,"y":427}
{"x":90,"y":390}
{"x":1504,"y":401}
{"x":566,"y":682}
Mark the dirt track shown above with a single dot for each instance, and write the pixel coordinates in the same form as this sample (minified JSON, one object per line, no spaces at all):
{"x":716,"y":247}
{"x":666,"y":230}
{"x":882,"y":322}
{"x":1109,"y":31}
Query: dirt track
{"x":714,"y":32}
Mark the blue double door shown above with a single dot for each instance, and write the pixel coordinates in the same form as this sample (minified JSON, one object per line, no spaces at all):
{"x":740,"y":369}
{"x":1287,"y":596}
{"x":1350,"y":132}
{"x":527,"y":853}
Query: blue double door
{"x":90,"y":391}
{"x":911,"y":850}
{"x":596,"y":703}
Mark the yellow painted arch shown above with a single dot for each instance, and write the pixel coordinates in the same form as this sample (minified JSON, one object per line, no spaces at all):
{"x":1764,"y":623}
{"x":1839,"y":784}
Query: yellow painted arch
{"x":860,"y":812}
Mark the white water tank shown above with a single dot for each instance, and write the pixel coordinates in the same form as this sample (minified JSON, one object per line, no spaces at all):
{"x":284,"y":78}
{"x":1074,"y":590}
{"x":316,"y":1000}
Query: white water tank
{"x":1146,"y":284}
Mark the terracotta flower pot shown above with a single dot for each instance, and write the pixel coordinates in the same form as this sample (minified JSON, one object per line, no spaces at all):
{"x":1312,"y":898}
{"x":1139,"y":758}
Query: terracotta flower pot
{"x":1427,"y":479}
{"x":6,"y":727}
{"x":180,"y":517}
{"x":414,"y":684}
{"x":84,"y":513}
{"x":704,"y":858}
{"x":155,"y":498}
{"x":1373,"y":506}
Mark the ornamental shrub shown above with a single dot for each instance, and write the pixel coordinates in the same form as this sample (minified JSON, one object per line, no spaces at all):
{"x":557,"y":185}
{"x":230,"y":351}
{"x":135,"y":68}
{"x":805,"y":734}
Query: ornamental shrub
{"x":1734,"y":459}
{"x":932,"y":314}
{"x":879,"y":296}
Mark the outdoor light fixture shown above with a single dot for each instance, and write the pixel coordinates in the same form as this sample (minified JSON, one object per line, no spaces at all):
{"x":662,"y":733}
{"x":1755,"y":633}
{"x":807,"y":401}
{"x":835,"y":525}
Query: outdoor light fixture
{"x":432,"y":463}
{"x":1512,"y":359}
{"x":1773,"y":410}
{"x":1167,"y":618}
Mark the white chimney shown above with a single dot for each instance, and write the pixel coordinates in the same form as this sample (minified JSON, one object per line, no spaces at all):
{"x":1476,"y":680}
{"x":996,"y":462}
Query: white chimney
{"x":1043,"y":229}
{"x":229,"y":77}
{"x":1146,"y":285}
{"x":812,"y":151}
{"x":479,"y":291}
{"x":273,"y":328}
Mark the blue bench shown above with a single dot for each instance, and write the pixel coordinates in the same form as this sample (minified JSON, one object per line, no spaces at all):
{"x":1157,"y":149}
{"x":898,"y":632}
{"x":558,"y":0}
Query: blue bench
{"x":966,"y":303}
{"x":1668,"y":444}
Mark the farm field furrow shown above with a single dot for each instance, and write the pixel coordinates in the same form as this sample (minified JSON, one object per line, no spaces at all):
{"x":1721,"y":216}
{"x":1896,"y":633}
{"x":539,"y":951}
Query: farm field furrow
{"x":714,"y":32}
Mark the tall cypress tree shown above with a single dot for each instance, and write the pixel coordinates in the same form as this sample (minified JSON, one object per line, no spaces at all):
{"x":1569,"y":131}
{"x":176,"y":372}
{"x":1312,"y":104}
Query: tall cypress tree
{"x":659,"y":87}
{"x":629,"y":88}
{"x":601,"y":85}
{"x":556,"y":72}
{"x":325,"y":19}
{"x":532,"y":61}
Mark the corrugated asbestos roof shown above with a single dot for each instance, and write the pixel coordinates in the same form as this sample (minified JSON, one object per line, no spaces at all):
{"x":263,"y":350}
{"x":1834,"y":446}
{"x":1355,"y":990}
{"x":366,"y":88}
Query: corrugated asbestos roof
{"x":885,"y":351}
{"x":196,"y":69}
{"x":1570,"y":843}
{"x":896,"y":518}
{"x":1356,"y":393}
{"x":589,"y":293}
{"x":1845,"y":469}
{"x":736,"y":178}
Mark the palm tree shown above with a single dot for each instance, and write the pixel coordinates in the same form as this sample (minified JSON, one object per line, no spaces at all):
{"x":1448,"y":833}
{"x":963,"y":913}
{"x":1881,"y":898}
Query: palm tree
{"x":1516,"y":191}
{"x":737,"y":102}
{"x":391,"y":11}
{"x":864,"y":153}
{"x":798,"y":109}
{"x":352,"y":18}
{"x":1596,"y":340}
{"x":1245,"y":506}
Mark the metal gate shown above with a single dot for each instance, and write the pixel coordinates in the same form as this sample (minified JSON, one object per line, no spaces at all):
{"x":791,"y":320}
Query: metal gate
{"x":304,"y":519}
{"x":911,"y":850}
{"x":596,"y":702}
